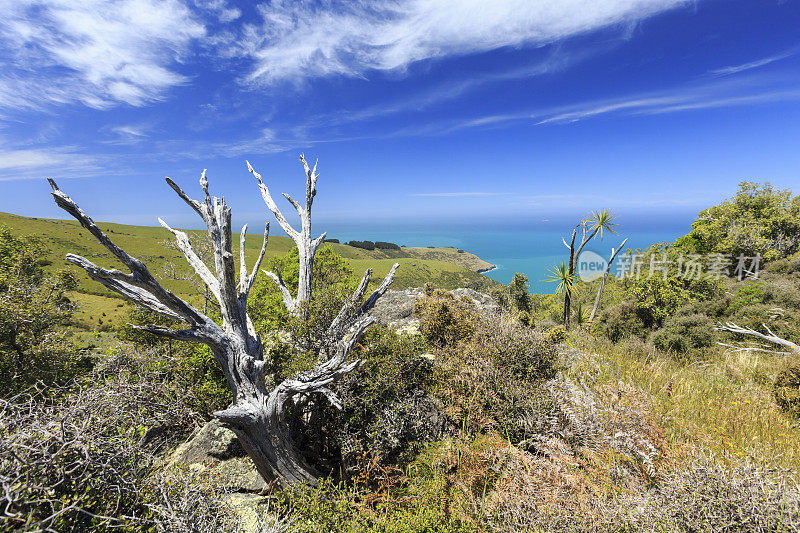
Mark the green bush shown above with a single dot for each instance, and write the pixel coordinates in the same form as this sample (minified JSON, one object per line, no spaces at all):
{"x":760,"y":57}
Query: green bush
{"x":758,"y":220}
{"x":682,"y":335}
{"x":786,"y":390}
{"x":190,"y":366}
{"x":443,"y":320}
{"x":620,"y":321}
{"x":34,"y":310}
{"x":556,"y":334}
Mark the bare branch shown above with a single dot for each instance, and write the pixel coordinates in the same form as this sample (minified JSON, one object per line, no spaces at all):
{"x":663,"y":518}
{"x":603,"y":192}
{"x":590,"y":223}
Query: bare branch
{"x":751,"y":349}
{"x":194,"y":204}
{"x":185,"y":246}
{"x":295,"y":204}
{"x":114,"y":280}
{"x":344,"y":313}
{"x":290,"y":231}
{"x":370,"y":303}
{"x":140,"y":276}
{"x":242,"y":262}
{"x":614,"y":253}
{"x":189,"y":335}
{"x":288,"y":301}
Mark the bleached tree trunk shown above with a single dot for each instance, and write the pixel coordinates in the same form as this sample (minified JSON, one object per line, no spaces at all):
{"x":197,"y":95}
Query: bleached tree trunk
{"x":257,"y":412}
{"x":603,"y":282}
{"x":769,"y":337}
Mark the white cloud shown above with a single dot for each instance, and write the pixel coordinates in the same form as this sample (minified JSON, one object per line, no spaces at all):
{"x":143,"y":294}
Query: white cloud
{"x":301,"y":39}
{"x":96,"y":52}
{"x":35,"y":163}
{"x":752,"y":64}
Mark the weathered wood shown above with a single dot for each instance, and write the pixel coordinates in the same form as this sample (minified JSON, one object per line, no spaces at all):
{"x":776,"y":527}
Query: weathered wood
{"x":257,"y":414}
{"x":603,"y":282}
{"x":306,"y":246}
{"x":769,"y":337}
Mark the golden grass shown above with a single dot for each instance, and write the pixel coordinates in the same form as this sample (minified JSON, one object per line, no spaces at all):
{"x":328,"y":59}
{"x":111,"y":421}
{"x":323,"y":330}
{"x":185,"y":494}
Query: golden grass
{"x":723,"y":404}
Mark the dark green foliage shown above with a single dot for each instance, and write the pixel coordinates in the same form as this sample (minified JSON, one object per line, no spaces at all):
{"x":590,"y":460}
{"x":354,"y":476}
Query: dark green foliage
{"x":682,"y":335}
{"x":556,"y":334}
{"x":380,"y":245}
{"x":621,"y":321}
{"x":388,"y":411}
{"x":650,"y":301}
{"x":34,"y":311}
{"x":365,"y":245}
{"x":336,"y":241}
{"x":786,"y":390}
{"x":493,"y":380}
{"x":518,"y":292}
{"x":334,"y":282}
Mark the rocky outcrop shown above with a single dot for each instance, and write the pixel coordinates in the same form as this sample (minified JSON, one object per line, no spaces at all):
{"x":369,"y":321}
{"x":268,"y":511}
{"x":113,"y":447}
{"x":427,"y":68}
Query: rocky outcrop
{"x":396,"y":308}
{"x":215,"y":451}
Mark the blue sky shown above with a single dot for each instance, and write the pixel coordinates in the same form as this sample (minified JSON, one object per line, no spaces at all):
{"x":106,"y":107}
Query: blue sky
{"x":427,"y":110}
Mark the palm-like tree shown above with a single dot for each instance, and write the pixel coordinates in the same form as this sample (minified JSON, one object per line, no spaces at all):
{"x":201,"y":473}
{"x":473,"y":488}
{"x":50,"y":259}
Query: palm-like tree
{"x":602,"y":220}
{"x":562,"y":275}
{"x":598,"y":222}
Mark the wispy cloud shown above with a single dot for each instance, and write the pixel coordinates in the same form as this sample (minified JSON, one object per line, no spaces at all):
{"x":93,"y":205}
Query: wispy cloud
{"x":94,"y":52}
{"x":460,"y":194}
{"x":300,"y":39}
{"x":725,"y":71}
{"x":34,"y":163}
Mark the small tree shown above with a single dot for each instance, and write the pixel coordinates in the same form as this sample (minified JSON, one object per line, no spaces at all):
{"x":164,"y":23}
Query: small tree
{"x":518,"y":293}
{"x":257,"y":414}
{"x":32,"y":306}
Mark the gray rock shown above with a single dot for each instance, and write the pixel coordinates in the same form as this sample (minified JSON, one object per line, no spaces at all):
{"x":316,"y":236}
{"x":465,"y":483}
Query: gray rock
{"x":215,"y":451}
{"x":211,"y":441}
{"x":396,"y":308}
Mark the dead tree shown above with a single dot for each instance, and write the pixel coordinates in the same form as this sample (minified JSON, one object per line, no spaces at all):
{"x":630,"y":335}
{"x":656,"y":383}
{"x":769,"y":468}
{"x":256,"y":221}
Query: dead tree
{"x":257,"y":414}
{"x":603,"y":282}
{"x":599,"y":221}
{"x":756,"y":347}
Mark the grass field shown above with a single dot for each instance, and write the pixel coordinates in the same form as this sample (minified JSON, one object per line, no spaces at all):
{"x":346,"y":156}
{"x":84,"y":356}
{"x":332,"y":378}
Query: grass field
{"x":447,"y":268}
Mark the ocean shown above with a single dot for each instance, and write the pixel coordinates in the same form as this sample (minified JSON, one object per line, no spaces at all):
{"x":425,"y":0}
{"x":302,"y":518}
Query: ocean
{"x":531,"y":249}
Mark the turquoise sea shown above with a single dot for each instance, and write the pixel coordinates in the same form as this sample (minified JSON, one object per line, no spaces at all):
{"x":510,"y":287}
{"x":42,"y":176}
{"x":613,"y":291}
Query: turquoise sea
{"x":528,"y":248}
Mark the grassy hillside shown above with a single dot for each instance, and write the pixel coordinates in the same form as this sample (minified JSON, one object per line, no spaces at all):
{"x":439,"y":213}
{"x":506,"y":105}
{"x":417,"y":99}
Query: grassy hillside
{"x":444,"y":267}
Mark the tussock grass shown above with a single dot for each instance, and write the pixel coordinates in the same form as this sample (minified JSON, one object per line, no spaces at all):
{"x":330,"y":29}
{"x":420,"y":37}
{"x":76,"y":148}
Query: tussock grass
{"x":723,"y":404}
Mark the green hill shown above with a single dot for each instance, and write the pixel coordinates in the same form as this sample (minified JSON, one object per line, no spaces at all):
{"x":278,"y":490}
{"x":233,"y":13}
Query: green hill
{"x":447,"y":268}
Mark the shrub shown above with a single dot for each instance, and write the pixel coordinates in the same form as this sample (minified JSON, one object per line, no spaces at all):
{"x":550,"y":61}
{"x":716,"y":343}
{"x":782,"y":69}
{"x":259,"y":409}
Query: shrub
{"x":786,"y":390}
{"x":621,"y":321}
{"x":444,"y":320}
{"x":380,"y":245}
{"x":684,"y":334}
{"x":708,"y":496}
{"x":387,"y":410}
{"x":79,"y":462}
{"x":34,"y":309}
{"x":188,"y":365}
{"x":758,"y":220}
{"x":494,"y":380}
{"x":556,"y":334}
{"x":518,"y":293}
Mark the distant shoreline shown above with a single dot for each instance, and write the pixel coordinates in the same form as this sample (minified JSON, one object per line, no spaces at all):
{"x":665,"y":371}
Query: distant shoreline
{"x":485,"y":270}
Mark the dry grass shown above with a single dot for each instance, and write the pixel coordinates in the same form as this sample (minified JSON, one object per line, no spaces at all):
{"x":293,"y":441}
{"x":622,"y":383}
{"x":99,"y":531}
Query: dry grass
{"x":724,"y":404}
